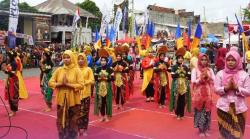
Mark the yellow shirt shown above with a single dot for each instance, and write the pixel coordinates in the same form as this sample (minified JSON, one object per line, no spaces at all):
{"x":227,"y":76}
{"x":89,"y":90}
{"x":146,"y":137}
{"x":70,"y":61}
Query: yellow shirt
{"x":89,"y":80}
{"x":193,"y":62}
{"x":247,"y":56}
{"x":75,"y":78}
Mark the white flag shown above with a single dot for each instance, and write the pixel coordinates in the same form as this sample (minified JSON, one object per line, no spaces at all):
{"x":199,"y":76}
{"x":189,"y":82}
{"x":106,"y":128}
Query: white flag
{"x":13,"y":17}
{"x":105,"y":19}
{"x":118,"y":19}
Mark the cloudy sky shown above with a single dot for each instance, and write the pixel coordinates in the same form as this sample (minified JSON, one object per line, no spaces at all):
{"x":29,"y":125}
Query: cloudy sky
{"x":216,"y":10}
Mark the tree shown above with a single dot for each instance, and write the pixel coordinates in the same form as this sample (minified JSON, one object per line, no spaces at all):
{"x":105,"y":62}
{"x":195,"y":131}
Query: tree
{"x":5,"y":4}
{"x":246,"y":15}
{"x":25,"y":7}
{"x":91,"y":7}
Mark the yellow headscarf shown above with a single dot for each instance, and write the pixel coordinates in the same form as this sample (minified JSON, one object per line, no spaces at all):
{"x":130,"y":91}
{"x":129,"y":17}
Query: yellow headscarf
{"x":73,"y":62}
{"x":84,"y":59}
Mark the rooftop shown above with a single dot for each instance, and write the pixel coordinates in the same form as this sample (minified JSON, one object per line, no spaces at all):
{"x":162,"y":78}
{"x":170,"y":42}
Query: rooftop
{"x":161,"y":9}
{"x":62,"y":7}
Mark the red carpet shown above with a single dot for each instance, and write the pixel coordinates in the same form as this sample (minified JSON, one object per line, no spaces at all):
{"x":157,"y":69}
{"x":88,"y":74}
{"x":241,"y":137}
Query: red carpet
{"x":138,"y":120}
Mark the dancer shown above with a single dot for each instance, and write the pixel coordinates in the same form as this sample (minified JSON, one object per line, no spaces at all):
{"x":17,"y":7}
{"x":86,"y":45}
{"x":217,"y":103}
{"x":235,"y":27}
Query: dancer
{"x":202,"y":80}
{"x":148,"y":71}
{"x":11,"y":85}
{"x":22,"y":89}
{"x":232,"y":84}
{"x":129,"y":61}
{"x":180,"y":90}
{"x":89,"y":80}
{"x":120,"y":77}
{"x":46,"y":71}
{"x":162,"y":82}
{"x":67,"y":80}
{"x":103,"y":76}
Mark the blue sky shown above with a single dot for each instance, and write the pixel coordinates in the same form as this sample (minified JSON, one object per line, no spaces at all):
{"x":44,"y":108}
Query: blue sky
{"x":216,"y":10}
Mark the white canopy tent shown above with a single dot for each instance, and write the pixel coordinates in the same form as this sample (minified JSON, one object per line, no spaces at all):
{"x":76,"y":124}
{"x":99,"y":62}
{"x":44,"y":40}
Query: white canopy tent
{"x":234,"y":39}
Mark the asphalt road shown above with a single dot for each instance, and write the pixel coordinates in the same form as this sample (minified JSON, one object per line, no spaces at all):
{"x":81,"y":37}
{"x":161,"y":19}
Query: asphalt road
{"x":26,"y":73}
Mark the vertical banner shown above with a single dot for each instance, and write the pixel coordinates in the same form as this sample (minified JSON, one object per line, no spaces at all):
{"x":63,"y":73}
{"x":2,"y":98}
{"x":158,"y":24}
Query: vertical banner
{"x":124,"y":20}
{"x":13,"y":17}
{"x":105,"y":20}
{"x":30,"y":40}
{"x":117,"y":22}
{"x":13,"y":21}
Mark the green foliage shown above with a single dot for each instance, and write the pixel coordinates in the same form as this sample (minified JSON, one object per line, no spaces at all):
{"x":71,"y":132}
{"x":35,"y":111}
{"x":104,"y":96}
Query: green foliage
{"x":246,"y":12}
{"x":91,"y":7}
{"x":25,"y":7}
{"x":5,"y":4}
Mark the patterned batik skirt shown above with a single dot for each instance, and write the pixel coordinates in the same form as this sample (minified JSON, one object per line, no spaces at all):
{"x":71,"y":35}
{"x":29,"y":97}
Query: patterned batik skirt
{"x":83,"y":121}
{"x":47,"y":92}
{"x":202,"y":119}
{"x":12,"y":92}
{"x":231,"y":125}
{"x":67,"y":118}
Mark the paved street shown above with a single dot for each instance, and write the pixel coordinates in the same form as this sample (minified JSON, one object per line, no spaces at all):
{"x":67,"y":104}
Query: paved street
{"x":26,"y":73}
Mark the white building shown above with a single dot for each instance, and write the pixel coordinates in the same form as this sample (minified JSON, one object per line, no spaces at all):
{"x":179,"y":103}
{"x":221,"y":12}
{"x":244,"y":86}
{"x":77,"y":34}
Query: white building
{"x":166,"y":19}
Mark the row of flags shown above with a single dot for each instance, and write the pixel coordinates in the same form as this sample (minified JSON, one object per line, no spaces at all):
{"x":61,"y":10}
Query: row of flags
{"x":185,"y":39}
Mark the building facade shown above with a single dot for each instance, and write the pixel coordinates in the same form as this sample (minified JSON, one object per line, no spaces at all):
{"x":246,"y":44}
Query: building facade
{"x":166,"y":19}
{"x":32,"y":24}
{"x":63,"y":13}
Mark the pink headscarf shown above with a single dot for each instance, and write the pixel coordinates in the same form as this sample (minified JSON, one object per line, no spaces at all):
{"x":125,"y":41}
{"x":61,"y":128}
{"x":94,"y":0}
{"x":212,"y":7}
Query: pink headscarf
{"x":200,"y":66}
{"x":232,"y":73}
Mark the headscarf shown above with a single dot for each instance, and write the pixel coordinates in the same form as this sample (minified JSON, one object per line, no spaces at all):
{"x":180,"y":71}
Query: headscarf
{"x":221,"y":53}
{"x":200,"y":66}
{"x":84,"y":59}
{"x":237,"y":57}
{"x":195,"y":52}
{"x":220,"y":60}
{"x":73,"y":62}
{"x":232,"y":73}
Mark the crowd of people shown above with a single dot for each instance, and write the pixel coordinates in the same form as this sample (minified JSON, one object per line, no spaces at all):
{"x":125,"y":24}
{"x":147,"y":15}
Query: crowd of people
{"x":184,"y":81}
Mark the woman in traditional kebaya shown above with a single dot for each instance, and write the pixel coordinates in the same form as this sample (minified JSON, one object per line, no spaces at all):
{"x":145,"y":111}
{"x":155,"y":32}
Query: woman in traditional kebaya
{"x":12,"y":83}
{"x":148,"y":63}
{"x":103,"y":76}
{"x":161,"y":78}
{"x":46,"y":67}
{"x":232,"y":84}
{"x":67,"y":81}
{"x":120,"y":69}
{"x":89,"y":80}
{"x":23,"y":94}
{"x":180,"y":90}
{"x":202,"y":79}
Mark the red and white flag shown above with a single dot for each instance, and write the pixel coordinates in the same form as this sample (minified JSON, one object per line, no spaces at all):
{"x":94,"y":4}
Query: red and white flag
{"x":76,"y":16}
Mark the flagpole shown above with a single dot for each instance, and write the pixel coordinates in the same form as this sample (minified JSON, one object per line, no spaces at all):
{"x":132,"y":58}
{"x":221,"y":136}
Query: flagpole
{"x":229,"y":36}
{"x":243,"y":44}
